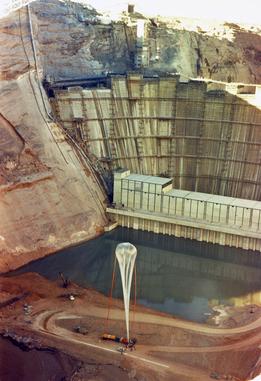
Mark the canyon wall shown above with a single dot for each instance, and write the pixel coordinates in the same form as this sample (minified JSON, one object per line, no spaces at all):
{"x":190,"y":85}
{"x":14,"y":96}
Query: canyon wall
{"x":72,"y":41}
{"x":49,"y":195}
{"x":49,"y":198}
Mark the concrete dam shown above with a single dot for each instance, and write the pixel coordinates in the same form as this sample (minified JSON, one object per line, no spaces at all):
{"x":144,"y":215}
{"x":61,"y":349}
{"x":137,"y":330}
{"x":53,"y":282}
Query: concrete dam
{"x":202,"y":137}
{"x":205,"y":135}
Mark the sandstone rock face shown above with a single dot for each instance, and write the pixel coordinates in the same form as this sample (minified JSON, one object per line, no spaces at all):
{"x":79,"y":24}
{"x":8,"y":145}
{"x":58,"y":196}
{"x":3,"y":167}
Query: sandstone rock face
{"x":72,"y":41}
{"x":16,"y":157}
{"x":225,"y":52}
{"x":69,"y":41}
{"x":48,"y":200}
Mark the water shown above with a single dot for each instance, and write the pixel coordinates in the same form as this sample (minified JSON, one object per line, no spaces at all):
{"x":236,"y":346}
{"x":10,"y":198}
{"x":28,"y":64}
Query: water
{"x":182,"y":277}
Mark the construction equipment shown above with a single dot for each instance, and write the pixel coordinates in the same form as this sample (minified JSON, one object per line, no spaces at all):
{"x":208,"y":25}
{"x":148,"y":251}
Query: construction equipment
{"x":81,"y":329}
{"x":123,"y":340}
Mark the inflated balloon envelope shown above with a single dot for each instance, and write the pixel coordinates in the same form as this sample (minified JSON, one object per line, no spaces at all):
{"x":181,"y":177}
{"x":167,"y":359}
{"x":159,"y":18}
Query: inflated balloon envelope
{"x":126,"y":255}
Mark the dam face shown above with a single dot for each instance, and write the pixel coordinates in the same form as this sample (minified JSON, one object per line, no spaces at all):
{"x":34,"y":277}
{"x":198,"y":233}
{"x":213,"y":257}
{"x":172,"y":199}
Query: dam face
{"x":205,"y":135}
{"x":201,"y":136}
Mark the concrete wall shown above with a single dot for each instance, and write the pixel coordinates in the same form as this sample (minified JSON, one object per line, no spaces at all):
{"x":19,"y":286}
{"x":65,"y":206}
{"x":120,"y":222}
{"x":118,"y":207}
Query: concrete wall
{"x":186,"y":228}
{"x":202,"y":134}
{"x":228,"y":211}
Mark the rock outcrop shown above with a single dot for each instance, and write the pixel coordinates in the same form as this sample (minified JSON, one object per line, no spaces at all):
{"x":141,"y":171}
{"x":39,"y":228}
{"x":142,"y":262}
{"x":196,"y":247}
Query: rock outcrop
{"x":226,"y":52}
{"x":49,"y":199}
{"x":49,"y":196}
{"x":16,"y":158}
{"x":74,"y":41}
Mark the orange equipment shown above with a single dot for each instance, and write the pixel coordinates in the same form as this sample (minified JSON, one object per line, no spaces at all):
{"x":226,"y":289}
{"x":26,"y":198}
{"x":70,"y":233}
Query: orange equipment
{"x":122,"y":340}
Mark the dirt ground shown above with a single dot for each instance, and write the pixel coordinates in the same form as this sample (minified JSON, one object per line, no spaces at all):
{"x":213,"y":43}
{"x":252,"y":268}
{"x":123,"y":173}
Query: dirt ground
{"x":167,"y":348}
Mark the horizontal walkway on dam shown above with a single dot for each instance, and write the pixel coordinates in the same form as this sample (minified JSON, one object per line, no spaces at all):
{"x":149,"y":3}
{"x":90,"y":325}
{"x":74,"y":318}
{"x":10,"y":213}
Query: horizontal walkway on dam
{"x":150,"y":203}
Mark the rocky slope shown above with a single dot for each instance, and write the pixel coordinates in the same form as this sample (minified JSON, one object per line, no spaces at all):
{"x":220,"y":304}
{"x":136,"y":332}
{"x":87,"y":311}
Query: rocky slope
{"x":226,"y":52}
{"x":73,"y":41}
{"x":48,"y":199}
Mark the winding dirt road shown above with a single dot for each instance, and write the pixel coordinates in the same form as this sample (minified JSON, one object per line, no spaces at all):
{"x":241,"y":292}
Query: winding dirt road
{"x":50,"y":322}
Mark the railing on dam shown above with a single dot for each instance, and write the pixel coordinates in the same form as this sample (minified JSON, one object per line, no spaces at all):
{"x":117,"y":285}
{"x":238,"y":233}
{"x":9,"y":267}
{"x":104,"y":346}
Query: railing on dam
{"x":155,"y":195}
{"x":209,"y":211}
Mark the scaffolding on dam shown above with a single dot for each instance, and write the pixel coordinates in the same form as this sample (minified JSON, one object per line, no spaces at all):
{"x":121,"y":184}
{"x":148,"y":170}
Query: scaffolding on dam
{"x":149,"y":203}
{"x":204,"y":135}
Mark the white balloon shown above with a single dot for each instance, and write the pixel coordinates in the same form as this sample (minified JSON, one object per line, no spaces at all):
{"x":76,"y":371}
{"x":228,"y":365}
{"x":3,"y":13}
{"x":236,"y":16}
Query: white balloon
{"x":126,"y":255}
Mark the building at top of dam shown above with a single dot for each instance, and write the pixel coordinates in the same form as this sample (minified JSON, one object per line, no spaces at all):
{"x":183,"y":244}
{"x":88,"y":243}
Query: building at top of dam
{"x":206,"y":135}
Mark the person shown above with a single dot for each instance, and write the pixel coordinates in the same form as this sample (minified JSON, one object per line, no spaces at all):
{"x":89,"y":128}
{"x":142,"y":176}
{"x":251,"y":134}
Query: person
{"x":131,"y":344}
